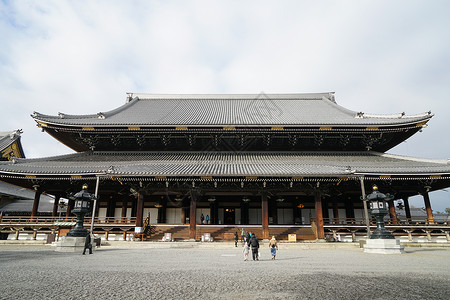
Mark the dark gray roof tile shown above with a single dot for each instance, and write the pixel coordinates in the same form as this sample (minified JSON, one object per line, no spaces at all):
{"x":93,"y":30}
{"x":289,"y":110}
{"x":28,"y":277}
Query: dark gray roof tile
{"x":226,"y":164}
{"x":232,"y":110}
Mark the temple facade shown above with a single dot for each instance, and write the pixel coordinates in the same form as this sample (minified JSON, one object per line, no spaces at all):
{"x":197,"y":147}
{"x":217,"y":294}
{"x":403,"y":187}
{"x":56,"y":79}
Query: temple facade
{"x":193,"y":164}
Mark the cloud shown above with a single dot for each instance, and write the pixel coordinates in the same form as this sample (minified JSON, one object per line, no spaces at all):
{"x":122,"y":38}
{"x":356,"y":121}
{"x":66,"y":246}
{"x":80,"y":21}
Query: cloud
{"x":81,"y":57}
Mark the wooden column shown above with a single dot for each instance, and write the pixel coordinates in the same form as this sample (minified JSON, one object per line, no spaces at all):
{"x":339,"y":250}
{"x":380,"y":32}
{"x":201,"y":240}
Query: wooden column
{"x":133,"y":207}
{"x":211,"y":212}
{"x":55,"y":205}
{"x":407,"y":210}
{"x":70,"y":205}
{"x":111,"y":207}
{"x":192,"y":216}
{"x":123,"y":214}
{"x":426,"y":199}
{"x":265,"y":215}
{"x":319,"y":215}
{"x":349,"y":210}
{"x":37,"y":197}
{"x":183,"y":212}
{"x":335,"y":211}
{"x":325,"y":212}
{"x":392,"y":212}
{"x":139,"y":212}
{"x":244,"y":213}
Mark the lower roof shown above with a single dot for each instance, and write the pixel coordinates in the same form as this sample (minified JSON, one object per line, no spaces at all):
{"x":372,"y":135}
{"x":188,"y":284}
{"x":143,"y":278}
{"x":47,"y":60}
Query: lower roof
{"x":231,"y":164}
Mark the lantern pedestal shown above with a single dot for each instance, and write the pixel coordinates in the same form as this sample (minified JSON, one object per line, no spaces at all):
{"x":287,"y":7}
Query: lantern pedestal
{"x":383,"y":246}
{"x":71,"y":244}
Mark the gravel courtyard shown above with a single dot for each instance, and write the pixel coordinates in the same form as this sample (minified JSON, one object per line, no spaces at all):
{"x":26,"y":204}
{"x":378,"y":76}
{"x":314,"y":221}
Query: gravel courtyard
{"x":38,"y":272}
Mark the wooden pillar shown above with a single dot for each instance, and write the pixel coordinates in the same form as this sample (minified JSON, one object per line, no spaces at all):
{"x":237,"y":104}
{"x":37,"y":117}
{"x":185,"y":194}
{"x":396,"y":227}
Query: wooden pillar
{"x":426,"y":199}
{"x":265,"y":215}
{"x":244,"y":213}
{"x":319,"y":214}
{"x":216,"y":213}
{"x":55,"y":205}
{"x":407,"y":210}
{"x":325,"y":213}
{"x":133,"y":207}
{"x":162,"y":211}
{"x":212,"y":217}
{"x":392,"y":213}
{"x":111,"y":207}
{"x":183,"y":212}
{"x":139,"y":212}
{"x":70,"y":205}
{"x":349,"y":210}
{"x":37,"y":197}
{"x":273,"y":211}
{"x":192,"y":216}
{"x":335,"y":211}
{"x":123,"y":214}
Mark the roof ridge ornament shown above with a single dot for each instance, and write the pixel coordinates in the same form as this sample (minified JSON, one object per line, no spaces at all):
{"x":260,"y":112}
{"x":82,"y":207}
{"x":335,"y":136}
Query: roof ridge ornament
{"x":101,"y":115}
{"x":129,"y":97}
{"x":15,"y":134}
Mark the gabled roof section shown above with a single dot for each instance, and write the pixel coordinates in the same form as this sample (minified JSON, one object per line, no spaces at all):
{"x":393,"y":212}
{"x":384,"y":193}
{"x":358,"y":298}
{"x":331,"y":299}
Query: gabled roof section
{"x":10,"y":145}
{"x":316,"y":109}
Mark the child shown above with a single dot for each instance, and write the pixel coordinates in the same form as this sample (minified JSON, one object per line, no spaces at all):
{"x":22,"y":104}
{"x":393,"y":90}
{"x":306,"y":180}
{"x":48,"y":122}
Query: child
{"x":246,"y":250}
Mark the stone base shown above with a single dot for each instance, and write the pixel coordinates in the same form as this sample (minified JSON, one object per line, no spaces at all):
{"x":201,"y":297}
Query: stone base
{"x":72,"y":244}
{"x":383,"y":246}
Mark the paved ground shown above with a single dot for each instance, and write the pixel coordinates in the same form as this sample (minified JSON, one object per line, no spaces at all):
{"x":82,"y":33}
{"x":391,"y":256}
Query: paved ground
{"x":37,"y":272}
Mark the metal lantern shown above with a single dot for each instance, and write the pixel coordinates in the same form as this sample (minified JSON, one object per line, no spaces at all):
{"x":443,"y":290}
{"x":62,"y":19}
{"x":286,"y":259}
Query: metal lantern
{"x":82,"y":206}
{"x":379,"y":208}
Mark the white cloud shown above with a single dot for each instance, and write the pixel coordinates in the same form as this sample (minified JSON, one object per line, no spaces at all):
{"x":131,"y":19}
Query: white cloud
{"x":83,"y":56}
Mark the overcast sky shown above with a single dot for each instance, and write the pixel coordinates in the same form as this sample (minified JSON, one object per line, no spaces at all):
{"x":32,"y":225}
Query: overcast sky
{"x":81,"y":57}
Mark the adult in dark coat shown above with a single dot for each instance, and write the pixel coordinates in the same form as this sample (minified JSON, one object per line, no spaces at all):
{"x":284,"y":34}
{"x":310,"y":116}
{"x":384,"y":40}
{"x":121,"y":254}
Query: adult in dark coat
{"x":87,"y":244}
{"x":236,"y":238}
{"x":254,"y":243}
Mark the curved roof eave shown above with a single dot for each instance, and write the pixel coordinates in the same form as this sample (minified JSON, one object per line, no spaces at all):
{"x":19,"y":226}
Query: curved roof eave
{"x":164,"y":117}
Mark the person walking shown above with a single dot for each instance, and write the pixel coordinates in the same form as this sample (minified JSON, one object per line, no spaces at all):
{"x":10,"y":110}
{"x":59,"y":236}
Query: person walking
{"x":87,"y":244}
{"x":202,"y":219}
{"x":242,"y":235}
{"x":236,"y":238}
{"x":207,"y":219}
{"x":246,"y":250}
{"x":254,"y":243}
{"x":273,"y":245}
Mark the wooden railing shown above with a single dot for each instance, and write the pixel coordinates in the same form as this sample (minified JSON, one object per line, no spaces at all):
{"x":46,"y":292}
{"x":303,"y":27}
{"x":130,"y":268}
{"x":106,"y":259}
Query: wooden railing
{"x":413,"y":222}
{"x":37,"y":220}
{"x":40,"y":220}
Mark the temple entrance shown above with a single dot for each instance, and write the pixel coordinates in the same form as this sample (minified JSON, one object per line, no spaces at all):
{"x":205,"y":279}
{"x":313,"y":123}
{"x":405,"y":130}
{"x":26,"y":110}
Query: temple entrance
{"x":229,"y":216}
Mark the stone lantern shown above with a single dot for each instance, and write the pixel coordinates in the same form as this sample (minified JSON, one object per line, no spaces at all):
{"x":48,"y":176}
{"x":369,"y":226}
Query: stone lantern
{"x":82,"y":207}
{"x":381,"y":241}
{"x":379,"y":209}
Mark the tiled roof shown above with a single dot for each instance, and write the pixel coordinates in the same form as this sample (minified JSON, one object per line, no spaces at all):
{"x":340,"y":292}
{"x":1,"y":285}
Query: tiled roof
{"x":8,"y":137}
{"x":235,"y":110}
{"x":225,"y":164}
